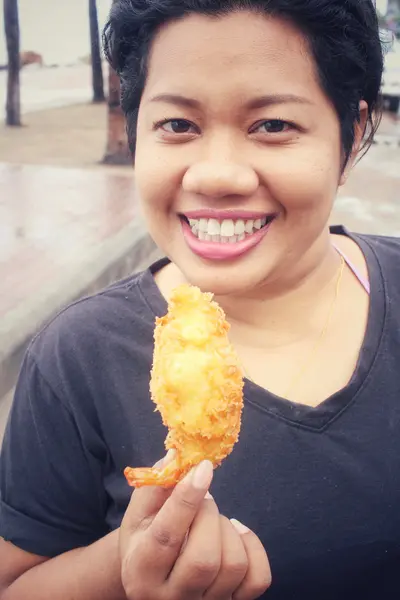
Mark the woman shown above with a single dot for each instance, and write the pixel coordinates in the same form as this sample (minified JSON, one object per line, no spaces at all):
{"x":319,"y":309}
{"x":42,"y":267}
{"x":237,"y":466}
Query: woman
{"x":245,"y":118}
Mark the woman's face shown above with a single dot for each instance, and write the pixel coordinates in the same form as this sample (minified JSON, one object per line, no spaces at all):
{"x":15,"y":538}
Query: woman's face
{"x":238,"y":154}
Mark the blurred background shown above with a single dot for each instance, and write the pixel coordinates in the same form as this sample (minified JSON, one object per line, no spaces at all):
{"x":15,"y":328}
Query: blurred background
{"x":69,"y":219}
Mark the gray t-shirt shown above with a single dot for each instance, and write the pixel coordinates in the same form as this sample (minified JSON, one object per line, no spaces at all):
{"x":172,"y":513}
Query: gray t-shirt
{"x":320,"y":486}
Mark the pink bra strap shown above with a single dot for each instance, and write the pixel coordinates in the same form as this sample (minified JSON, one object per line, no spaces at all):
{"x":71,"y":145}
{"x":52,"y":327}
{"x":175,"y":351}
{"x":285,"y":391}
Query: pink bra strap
{"x":364,"y":282}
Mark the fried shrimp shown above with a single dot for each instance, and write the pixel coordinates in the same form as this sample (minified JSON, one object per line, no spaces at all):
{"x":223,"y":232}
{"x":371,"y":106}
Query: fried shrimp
{"x":196,"y":385}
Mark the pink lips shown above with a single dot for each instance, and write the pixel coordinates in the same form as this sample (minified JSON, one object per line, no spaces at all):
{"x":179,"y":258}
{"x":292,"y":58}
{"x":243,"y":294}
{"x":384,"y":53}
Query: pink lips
{"x":219,"y":251}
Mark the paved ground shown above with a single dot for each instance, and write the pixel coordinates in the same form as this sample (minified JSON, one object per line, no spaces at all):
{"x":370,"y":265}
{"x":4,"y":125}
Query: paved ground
{"x":370,"y":201}
{"x":69,"y":136}
{"x":63,"y":234}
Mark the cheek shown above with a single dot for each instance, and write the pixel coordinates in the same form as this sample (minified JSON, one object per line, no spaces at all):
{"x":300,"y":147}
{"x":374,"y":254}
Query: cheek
{"x":158,"y":187}
{"x":158,"y":174}
{"x":306,"y":181}
{"x":155,"y":182}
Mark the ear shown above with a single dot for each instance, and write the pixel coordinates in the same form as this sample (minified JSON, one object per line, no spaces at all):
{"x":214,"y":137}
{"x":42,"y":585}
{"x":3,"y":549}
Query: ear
{"x":359,"y":131}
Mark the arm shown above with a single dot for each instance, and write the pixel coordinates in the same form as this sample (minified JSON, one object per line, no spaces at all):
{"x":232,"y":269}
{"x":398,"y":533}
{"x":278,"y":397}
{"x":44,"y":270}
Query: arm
{"x":91,"y":573}
{"x":52,"y":503}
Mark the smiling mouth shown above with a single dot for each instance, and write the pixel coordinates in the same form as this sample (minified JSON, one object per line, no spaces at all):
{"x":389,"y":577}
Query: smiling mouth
{"x":226,"y":231}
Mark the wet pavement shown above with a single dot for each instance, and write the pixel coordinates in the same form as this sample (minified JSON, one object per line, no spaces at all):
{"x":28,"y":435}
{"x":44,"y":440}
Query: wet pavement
{"x":63,"y":233}
{"x":370,"y":200}
{"x":50,"y":218}
{"x":388,"y":133}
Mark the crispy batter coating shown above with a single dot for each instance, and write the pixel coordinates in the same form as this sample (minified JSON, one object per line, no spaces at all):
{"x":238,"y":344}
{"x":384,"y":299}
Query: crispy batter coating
{"x":196,"y":384}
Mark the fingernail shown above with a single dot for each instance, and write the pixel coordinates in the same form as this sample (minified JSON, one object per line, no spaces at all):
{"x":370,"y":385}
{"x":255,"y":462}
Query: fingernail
{"x":208,"y":496}
{"x":169,"y":456}
{"x":164,"y":461}
{"x":240,"y":528}
{"x":202,"y":475}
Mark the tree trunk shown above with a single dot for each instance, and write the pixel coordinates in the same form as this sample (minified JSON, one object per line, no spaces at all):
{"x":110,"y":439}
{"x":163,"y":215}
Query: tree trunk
{"x":11,"y":28}
{"x":117,"y":151}
{"x":97,"y":69}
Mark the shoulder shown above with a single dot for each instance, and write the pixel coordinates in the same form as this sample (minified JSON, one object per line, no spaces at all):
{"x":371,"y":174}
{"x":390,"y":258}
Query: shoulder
{"x":383,"y":247}
{"x":382,"y":244}
{"x":91,"y":315}
{"x":386,"y":249}
{"x":90,"y":334}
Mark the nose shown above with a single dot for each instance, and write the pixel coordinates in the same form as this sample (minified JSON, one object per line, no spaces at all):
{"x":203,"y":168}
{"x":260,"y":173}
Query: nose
{"x":219,"y":179}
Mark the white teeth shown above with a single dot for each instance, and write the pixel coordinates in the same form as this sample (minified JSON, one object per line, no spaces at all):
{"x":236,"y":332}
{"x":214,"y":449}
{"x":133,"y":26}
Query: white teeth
{"x":213,"y":228}
{"x":227,"y":228}
{"x":249,"y":226}
{"x":203,"y":225}
{"x":240,"y":228}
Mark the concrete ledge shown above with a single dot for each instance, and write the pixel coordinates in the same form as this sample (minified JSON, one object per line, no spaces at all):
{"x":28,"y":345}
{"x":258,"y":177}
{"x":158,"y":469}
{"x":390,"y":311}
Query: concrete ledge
{"x":5,"y":406}
{"x":130,"y":250}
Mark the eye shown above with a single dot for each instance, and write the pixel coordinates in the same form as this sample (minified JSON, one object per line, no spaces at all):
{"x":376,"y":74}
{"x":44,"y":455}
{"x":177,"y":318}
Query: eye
{"x":176,"y":126}
{"x":272,"y":126}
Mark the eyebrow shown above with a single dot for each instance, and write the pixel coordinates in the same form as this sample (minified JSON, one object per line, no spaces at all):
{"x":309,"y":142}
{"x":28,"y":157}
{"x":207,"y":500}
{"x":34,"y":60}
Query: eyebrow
{"x":176,"y":99}
{"x":254,"y":104}
{"x":274,"y":99}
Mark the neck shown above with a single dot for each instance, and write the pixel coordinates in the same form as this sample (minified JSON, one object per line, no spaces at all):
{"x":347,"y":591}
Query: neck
{"x":286,"y":308}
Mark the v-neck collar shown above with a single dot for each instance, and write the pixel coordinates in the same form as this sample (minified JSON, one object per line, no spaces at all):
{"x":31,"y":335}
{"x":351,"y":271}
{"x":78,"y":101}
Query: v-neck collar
{"x":309,"y":417}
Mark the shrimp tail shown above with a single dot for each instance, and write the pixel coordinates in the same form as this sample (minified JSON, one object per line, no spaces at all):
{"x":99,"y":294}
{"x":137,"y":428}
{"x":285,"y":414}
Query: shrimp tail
{"x":167,"y":476}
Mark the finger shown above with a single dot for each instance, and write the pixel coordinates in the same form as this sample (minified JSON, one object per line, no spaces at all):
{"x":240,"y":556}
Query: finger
{"x":166,"y":533}
{"x":258,"y":576}
{"x":145,"y":502}
{"x":234,"y":563}
{"x":209,"y":497}
{"x":199,"y":563}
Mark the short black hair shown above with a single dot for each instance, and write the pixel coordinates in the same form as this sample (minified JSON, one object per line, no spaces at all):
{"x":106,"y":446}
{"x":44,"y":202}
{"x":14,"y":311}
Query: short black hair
{"x":343,"y":36}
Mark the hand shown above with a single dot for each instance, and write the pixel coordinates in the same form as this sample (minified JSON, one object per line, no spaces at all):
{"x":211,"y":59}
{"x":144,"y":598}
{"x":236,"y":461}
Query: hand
{"x":176,"y":546}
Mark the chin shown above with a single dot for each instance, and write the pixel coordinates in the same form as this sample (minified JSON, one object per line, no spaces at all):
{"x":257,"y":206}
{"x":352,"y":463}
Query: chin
{"x":221,"y":279}
{"x":235,"y":277}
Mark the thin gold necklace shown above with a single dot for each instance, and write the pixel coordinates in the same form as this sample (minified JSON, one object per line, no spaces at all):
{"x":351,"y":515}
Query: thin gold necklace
{"x":297,"y":376}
